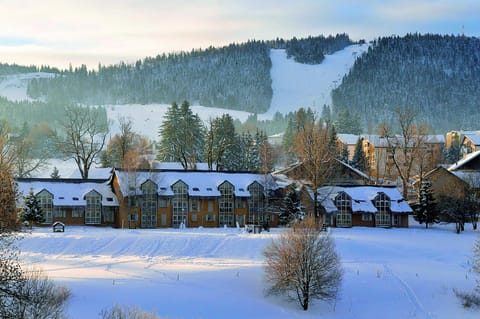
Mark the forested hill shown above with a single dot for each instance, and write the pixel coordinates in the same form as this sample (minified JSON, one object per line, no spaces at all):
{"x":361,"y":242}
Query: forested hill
{"x":236,"y":76}
{"x":437,"y":75}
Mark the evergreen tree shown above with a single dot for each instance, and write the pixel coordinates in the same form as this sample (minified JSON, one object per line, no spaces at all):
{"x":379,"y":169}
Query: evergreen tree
{"x":291,"y":209}
{"x":348,"y":123}
{"x":426,"y":208}
{"x":359,"y":160}
{"x":220,"y":140}
{"x":32,"y":212}
{"x":55,"y":174}
{"x":182,"y":136}
{"x":344,"y":154}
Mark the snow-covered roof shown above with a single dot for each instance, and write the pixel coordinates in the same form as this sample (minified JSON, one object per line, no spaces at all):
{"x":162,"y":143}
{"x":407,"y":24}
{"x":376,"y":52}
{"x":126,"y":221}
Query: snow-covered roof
{"x":349,"y":139}
{"x":472,"y":178}
{"x":473,"y":136}
{"x":172,"y":166}
{"x":362,"y":198}
{"x":67,"y":192}
{"x":376,"y":140}
{"x":463,"y":161}
{"x":437,"y":138}
{"x":200,"y":183}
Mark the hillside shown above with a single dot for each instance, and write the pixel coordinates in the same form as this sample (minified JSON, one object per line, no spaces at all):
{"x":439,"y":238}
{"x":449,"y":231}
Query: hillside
{"x":437,"y":75}
{"x":236,"y":76}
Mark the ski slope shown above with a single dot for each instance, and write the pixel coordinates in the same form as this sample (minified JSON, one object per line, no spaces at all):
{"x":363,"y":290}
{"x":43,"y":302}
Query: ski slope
{"x":294,"y":85}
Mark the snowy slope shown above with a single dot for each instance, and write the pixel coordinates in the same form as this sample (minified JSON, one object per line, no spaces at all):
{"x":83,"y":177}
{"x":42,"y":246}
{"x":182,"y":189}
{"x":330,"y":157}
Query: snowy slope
{"x":14,"y":87}
{"x":218,"y":273}
{"x":294,"y":85}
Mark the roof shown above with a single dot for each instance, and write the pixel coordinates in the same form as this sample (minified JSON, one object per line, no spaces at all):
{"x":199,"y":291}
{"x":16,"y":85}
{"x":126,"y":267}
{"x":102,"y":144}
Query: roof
{"x":472,"y":178}
{"x":376,"y":140}
{"x":474,"y":136}
{"x":200,"y":183}
{"x":174,"y":166}
{"x":67,"y":192}
{"x":464,"y":161}
{"x":362,"y":198}
{"x":349,"y":139}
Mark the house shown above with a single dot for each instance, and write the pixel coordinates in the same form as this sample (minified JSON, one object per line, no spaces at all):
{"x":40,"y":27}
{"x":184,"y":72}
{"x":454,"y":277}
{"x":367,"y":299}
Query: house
{"x":342,"y":174}
{"x":72,"y":201}
{"x":348,"y":140}
{"x":371,"y":206}
{"x":177,"y":198}
{"x":377,"y":149}
{"x":469,"y":142}
{"x":459,"y":179}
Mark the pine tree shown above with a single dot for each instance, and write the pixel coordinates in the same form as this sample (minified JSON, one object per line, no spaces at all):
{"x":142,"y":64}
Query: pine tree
{"x":359,"y":160}
{"x":291,"y":209}
{"x":55,"y":174}
{"x":32,"y":212}
{"x":344,"y":154}
{"x":426,"y":209}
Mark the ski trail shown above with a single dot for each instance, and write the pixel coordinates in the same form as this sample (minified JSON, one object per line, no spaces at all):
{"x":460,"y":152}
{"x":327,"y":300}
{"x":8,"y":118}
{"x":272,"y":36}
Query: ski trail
{"x":412,"y":296}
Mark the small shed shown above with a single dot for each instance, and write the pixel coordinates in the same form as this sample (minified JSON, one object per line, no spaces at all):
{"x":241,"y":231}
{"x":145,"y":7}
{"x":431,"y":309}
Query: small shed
{"x":58,"y":227}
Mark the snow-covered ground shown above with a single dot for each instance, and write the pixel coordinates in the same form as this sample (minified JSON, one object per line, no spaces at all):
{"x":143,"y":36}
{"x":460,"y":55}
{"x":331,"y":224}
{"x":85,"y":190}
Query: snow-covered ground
{"x":218,"y":273}
{"x":294,"y":85}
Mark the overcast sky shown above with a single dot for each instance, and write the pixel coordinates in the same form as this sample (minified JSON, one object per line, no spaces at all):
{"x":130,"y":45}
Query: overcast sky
{"x":59,"y":32}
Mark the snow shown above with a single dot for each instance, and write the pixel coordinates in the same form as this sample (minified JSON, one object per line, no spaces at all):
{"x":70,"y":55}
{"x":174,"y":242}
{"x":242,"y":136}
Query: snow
{"x":298,"y":85}
{"x":218,"y":272}
{"x":14,"y":87}
{"x":294,"y":85}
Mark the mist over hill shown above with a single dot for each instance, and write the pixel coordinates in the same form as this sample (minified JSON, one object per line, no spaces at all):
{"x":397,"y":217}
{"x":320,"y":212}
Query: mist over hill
{"x":437,"y":75}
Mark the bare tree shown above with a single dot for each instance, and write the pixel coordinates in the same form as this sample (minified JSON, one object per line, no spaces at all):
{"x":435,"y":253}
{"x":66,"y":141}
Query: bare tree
{"x":40,"y":297}
{"x":303,"y":264}
{"x":408,"y":148}
{"x":314,"y":148}
{"x":127,"y":312}
{"x":84,"y":138}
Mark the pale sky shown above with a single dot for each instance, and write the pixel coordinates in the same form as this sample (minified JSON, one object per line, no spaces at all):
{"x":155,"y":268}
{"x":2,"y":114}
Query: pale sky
{"x":59,"y":32}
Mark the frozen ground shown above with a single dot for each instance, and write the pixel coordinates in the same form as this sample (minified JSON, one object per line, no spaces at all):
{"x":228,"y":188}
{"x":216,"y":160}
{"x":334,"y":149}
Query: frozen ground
{"x":218,"y":273}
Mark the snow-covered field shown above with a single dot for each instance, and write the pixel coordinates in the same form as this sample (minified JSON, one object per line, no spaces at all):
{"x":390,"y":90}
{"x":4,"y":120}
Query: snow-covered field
{"x":218,"y":273}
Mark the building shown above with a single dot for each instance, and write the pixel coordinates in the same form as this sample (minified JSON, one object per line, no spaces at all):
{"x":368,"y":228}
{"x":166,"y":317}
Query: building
{"x":72,"y":201}
{"x":371,"y":206}
{"x":350,"y":141}
{"x":166,"y":198}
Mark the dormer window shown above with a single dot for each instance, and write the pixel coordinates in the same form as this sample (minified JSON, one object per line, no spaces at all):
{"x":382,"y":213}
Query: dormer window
{"x":61,"y":197}
{"x":195,"y":189}
{"x":75,"y":198}
{"x":209,"y":189}
{"x":109,"y":199}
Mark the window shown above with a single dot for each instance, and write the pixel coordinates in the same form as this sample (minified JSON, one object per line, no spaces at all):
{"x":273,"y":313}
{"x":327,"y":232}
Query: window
{"x":397,"y":220}
{"x":383,"y":217}
{"x":77,"y":212}
{"x":132,"y":217}
{"x":367,"y":217}
{"x":240,"y":203}
{"x":93,"y":210}
{"x":59,"y":212}
{"x":255,"y":203}
{"x":225,"y":204}
{"x":210,"y":206}
{"x":194,"y":217}
{"x":108,"y":215}
{"x":132,"y":201}
{"x":179,"y":203}
{"x":209,"y":218}
{"x":194,"y":205}
{"x":46,"y":203}
{"x":163,"y":219}
{"x":149,"y":204}
{"x":163,"y":202}
{"x":343,"y":202}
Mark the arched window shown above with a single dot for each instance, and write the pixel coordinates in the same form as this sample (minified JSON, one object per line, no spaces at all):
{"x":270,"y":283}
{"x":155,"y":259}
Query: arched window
{"x":383,"y":216}
{"x":343,"y":202}
{"x":45,"y":199}
{"x":226,"y":204}
{"x":179,"y":203}
{"x":149,"y":204}
{"x":256,"y":203}
{"x":93,"y":210}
